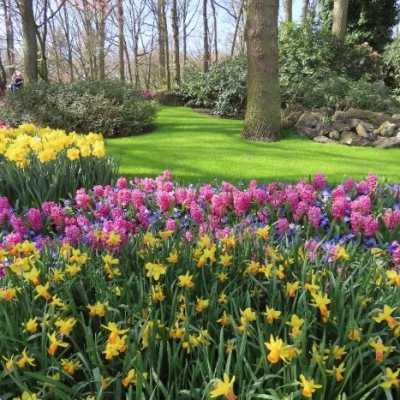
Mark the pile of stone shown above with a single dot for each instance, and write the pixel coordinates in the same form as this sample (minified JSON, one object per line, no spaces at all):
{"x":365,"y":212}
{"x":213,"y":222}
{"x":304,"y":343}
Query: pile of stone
{"x":352,"y":127}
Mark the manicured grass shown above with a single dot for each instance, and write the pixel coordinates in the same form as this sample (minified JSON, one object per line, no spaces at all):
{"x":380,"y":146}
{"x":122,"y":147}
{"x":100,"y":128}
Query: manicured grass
{"x":198,"y":148}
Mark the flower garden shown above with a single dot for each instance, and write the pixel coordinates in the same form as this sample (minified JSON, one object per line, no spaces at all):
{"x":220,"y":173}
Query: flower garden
{"x":153,"y":290}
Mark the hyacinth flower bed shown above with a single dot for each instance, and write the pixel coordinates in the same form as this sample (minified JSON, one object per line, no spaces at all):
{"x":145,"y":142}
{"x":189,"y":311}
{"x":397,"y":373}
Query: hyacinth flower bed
{"x":152,"y":290}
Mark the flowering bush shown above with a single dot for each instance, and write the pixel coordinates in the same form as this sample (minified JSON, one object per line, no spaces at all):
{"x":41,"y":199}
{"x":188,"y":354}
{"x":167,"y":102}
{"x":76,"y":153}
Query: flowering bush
{"x":49,"y":164}
{"x":154,"y":290}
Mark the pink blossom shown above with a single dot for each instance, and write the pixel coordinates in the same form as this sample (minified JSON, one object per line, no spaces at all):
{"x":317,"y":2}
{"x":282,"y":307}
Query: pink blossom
{"x":170,"y":224}
{"x":319,"y":181}
{"x":122,"y":183}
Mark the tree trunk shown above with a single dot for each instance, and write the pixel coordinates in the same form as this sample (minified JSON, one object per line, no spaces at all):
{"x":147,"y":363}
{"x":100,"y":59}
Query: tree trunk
{"x":9,"y":37}
{"x":339,"y":25}
{"x":29,"y":30}
{"x":175,"y":35}
{"x":237,"y":25}
{"x":263,"y":113}
{"x":206,"y":55}
{"x":121,"y":40}
{"x":287,"y":10}
{"x":162,"y":42}
{"x":215,"y":24}
{"x":305,"y":10}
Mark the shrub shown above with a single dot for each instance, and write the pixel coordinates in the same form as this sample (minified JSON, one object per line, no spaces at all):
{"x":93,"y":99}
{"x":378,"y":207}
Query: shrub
{"x":222,"y":88}
{"x":38,"y":165}
{"x":112,"y":107}
{"x":391,"y":62}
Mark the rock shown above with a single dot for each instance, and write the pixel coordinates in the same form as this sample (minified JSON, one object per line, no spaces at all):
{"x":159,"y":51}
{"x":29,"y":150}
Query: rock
{"x":339,"y":116}
{"x":387,"y":129}
{"x":352,"y":139}
{"x":324,"y":139}
{"x":335,"y":135}
{"x":364,"y":133}
{"x":309,"y":125}
{"x":387,"y":142}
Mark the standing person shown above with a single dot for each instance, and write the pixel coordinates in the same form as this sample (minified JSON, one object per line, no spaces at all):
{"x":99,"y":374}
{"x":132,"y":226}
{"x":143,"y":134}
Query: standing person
{"x":17,"y":81}
{"x":3,"y":86}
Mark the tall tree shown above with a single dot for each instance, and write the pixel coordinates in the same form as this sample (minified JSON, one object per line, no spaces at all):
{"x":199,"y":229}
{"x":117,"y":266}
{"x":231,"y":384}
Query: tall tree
{"x":339,"y":24}
{"x":369,"y":21}
{"x":287,"y":10}
{"x":263,"y":113}
{"x":9,"y":37}
{"x":175,"y":35}
{"x":121,"y":39}
{"x":29,"y":29}
{"x":206,"y":47}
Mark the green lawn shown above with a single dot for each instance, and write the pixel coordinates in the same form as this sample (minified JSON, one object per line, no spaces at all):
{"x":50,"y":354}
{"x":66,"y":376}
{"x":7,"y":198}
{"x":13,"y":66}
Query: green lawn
{"x":198,"y":148}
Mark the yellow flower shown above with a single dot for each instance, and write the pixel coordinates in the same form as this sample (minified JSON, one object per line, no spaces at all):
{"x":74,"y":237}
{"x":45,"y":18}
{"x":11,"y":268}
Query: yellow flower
{"x":43,"y":291}
{"x":355,"y":334}
{"x":295,"y":323}
{"x":275,"y":347}
{"x":340,"y":253}
{"x":201,"y":304}
{"x":393,"y":278}
{"x":222,"y":299}
{"x":31,"y":325}
{"x":185,"y":280}
{"x":386,"y":316}
{"x":222,"y":277}
{"x":380,"y":349}
{"x":113,"y":239}
{"x":225,"y":260}
{"x":337,"y":372}
{"x":338,"y":352}
{"x":73,"y":269}
{"x":9,"y":293}
{"x":55,"y":343}
{"x":98,"y":309}
{"x":27,"y":396}
{"x":9,"y":362}
{"x":165,"y":234}
{"x":70,"y":366}
{"x":224,"y":388}
{"x":73,"y":154}
{"x":24,"y":359}
{"x":321,"y":301}
{"x":263,"y":232}
{"x":173,"y":257}
{"x":65,"y":325}
{"x":308,"y":386}
{"x":247,"y":315}
{"x":271,"y":314}
{"x":291,"y":288}
{"x":390,"y":379}
{"x":224,"y":320}
{"x":155,"y":270}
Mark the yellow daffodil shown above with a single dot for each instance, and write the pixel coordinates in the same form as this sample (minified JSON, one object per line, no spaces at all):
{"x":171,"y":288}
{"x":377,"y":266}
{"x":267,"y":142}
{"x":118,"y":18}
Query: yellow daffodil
{"x":185,"y":280}
{"x":380,"y":349}
{"x":225,"y":319}
{"x":390,"y":379}
{"x":271,"y":314}
{"x":337,"y":372}
{"x":309,"y":386}
{"x":386,"y":315}
{"x":70,"y":366}
{"x":275,"y":347}
{"x":55,"y":343}
{"x":98,"y":309}
{"x":224,"y":388}
{"x":155,"y":270}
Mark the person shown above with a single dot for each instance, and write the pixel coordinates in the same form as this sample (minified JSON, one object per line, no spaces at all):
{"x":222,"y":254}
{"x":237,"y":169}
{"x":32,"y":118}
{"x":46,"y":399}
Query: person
{"x":17,"y":81}
{"x":3,"y":86}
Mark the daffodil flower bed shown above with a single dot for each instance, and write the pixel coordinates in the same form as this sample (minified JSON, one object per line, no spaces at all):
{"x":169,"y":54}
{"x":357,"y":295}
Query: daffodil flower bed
{"x":152,"y":290}
{"x":38,"y":164}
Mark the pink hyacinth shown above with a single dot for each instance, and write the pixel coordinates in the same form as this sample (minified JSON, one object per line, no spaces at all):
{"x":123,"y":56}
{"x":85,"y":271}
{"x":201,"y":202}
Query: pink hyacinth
{"x":340,"y":205}
{"x":391,"y":218}
{"x":197,"y":213}
{"x":82,"y":199}
{"x":34,"y":217}
{"x":165,"y":200}
{"x":170,"y":224}
{"x":18,"y":225}
{"x":241,"y":202}
{"x":122,"y":183}
{"x":370,"y":226}
{"x":124,"y":197}
{"x":314,"y":215}
{"x":319,"y":182}
{"x":362,"y":204}
{"x":282,"y":225}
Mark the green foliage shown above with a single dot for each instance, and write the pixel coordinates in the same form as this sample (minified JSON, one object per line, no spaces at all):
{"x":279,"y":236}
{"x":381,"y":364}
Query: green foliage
{"x":222,"y":88}
{"x":370,"y":21}
{"x":305,"y":51}
{"x":391,"y":62}
{"x":339,"y":92}
{"x":113,"y":108}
